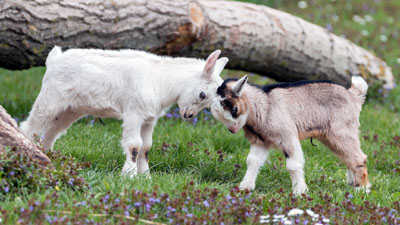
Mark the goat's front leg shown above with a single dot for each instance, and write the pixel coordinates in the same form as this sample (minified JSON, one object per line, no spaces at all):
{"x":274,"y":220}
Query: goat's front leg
{"x":146,"y":133}
{"x":132,"y":143}
{"x":256,"y":158}
{"x":295,"y":164}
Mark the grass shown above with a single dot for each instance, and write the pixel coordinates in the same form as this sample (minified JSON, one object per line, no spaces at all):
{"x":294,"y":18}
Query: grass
{"x":191,"y":159}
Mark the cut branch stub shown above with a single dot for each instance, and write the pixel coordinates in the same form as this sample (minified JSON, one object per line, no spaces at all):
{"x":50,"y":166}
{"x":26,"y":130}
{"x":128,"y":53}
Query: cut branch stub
{"x":11,"y":136}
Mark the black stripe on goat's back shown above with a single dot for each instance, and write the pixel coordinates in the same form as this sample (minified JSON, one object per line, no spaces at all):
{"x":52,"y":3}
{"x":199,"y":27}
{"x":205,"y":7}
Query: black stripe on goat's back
{"x":269,"y":88}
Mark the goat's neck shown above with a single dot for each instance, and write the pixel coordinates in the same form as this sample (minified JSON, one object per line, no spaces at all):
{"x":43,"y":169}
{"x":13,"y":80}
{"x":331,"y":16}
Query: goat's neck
{"x":173,"y":83}
{"x":254,"y":96}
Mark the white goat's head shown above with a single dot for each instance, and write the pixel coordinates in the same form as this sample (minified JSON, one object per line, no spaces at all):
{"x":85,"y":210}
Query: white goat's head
{"x":230,"y":106}
{"x":200,"y":93}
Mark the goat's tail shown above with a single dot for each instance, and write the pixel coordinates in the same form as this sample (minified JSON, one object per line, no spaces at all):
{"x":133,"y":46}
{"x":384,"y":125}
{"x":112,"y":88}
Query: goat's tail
{"x":53,"y":54}
{"x":359,"y":87}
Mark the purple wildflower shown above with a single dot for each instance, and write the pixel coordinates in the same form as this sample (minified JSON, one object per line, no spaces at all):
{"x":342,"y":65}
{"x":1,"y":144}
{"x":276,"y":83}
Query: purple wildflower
{"x":6,"y":189}
{"x":30,"y":208}
{"x":12,"y":173}
{"x":169,"y":115}
{"x":189,"y":215}
{"x":22,"y":210}
{"x":138,"y":204}
{"x":195,"y":120}
{"x":350,"y":196}
{"x":91,"y":122}
{"x":148,"y":206}
{"x":207,"y":112}
{"x":329,"y":27}
{"x":126,"y":213}
{"x":48,"y":218}
{"x":206,"y":204}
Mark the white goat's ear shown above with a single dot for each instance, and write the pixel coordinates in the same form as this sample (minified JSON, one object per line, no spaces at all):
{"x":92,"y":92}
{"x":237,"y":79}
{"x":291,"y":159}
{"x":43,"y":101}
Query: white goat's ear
{"x":210,"y":65}
{"x":238,"y":88}
{"x":221,"y":63}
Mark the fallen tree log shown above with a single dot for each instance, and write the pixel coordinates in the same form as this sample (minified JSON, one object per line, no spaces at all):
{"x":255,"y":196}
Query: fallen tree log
{"x":11,"y":136}
{"x":255,"y":38}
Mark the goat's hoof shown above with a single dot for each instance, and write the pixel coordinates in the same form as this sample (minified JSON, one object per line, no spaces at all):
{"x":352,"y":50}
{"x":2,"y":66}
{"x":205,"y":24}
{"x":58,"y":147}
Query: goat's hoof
{"x":300,"y":189}
{"x":129,"y":174}
{"x":247,"y":185}
{"x":366,"y":188}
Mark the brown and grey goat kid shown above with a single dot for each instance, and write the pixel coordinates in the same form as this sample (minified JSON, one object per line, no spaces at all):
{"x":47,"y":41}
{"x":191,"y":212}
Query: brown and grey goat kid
{"x":281,"y":115}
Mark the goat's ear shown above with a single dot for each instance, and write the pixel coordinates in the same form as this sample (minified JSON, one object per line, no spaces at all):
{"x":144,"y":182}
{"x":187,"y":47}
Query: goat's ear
{"x":238,"y":88}
{"x":221,"y":63}
{"x":210,"y":65}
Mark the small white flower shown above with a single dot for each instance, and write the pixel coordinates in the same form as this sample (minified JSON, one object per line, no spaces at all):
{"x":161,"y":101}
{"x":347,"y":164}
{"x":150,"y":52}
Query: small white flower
{"x":368,"y":18}
{"x":383,"y":38}
{"x":310,"y":212}
{"x":295,"y":212}
{"x":358,"y":19}
{"x":302,"y":4}
{"x":264,"y":221}
{"x":264,"y":217}
{"x":287,"y":222}
{"x":325,"y":220}
{"x":398,"y":60}
{"x":1,"y":220}
{"x":279,"y":216}
{"x":364,"y":33}
{"x":335,"y":18}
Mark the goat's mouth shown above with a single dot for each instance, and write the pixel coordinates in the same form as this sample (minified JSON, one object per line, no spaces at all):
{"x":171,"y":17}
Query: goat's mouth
{"x":233,"y":129}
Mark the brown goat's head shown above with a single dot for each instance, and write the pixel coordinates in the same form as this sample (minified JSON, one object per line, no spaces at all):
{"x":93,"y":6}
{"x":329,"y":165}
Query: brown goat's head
{"x":230,"y":106}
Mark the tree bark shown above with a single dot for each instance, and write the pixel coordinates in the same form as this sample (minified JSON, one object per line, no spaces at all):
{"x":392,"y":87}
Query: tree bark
{"x":255,"y":38}
{"x":11,"y":136}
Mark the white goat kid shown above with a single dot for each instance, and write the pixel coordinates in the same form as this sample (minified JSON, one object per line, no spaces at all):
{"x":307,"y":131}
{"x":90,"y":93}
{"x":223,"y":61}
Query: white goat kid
{"x":134,"y":86}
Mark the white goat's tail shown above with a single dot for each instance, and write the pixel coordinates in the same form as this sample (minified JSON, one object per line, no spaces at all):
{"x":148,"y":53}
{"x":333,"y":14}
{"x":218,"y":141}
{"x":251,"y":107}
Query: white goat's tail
{"x":359,"y":87}
{"x":53,"y":54}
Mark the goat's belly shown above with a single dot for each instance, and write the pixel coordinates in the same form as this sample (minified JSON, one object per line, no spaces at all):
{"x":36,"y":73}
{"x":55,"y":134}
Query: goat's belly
{"x":100,"y":112}
{"x":315,"y":133}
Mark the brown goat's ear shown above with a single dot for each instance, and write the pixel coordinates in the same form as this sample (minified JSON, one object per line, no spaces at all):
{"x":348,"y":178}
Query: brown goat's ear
{"x":238,"y":88}
{"x":210,"y":65}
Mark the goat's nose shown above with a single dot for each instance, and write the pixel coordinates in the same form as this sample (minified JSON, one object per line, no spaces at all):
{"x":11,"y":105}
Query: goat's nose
{"x":190,"y":116}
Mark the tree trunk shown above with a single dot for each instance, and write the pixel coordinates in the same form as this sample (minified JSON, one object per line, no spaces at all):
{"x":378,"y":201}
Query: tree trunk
{"x":255,"y":38}
{"x":11,"y":136}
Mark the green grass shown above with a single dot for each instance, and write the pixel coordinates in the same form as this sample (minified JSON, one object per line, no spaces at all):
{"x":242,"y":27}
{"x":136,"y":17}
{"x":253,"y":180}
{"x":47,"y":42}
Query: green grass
{"x":183,"y":152}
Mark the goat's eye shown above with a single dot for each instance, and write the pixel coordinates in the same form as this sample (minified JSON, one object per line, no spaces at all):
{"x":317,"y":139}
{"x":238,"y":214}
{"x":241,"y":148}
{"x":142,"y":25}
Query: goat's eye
{"x":203,"y":95}
{"x":234,"y":111}
{"x":223,"y":103}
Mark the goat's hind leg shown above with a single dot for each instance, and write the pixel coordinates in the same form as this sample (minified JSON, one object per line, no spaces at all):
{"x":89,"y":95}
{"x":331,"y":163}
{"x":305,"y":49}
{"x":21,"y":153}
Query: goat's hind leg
{"x":347,"y":148}
{"x":57,"y":125}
